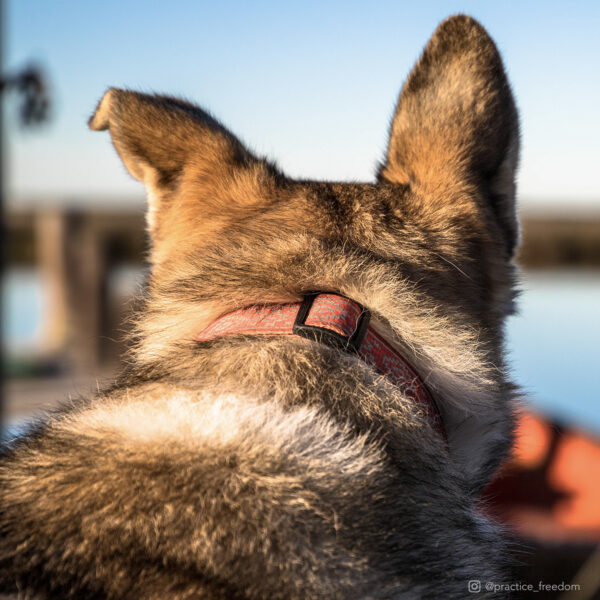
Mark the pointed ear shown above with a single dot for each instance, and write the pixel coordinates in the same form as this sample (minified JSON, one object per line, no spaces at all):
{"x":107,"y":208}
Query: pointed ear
{"x":163,"y":140}
{"x":456,"y":126}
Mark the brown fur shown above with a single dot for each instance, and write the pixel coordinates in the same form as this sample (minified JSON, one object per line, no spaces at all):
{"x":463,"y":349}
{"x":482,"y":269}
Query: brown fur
{"x":282,"y":468}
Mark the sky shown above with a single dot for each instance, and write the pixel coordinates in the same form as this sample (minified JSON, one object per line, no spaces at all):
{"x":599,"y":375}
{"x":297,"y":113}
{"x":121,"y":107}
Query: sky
{"x":311,"y":85}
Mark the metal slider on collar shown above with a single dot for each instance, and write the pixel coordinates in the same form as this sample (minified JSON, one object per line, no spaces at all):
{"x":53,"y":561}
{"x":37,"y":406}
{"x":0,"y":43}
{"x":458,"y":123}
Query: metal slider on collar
{"x":327,"y":336}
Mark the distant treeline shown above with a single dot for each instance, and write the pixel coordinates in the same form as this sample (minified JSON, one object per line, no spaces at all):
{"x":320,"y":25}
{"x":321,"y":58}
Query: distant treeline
{"x":548,"y":241}
{"x":560,"y":241}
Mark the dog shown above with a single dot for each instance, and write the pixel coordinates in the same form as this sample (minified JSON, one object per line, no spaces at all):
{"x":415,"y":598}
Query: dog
{"x":316,"y":392}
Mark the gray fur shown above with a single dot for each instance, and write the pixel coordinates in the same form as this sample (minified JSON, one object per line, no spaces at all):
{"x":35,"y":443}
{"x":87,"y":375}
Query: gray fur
{"x":278,"y":467}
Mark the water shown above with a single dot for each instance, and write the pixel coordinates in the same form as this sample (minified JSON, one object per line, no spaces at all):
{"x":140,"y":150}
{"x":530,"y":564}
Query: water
{"x":22,"y":310}
{"x":553,"y":343}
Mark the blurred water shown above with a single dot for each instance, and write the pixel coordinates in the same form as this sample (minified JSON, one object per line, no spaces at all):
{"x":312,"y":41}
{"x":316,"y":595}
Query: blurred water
{"x":553,"y":343}
{"x":22,"y":310}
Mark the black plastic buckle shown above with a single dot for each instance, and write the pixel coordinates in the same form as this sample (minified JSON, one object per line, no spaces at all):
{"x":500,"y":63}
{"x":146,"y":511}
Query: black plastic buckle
{"x":326,"y":336}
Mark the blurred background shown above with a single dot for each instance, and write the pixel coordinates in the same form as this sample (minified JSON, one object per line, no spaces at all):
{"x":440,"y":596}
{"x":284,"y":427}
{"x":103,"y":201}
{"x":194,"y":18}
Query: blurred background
{"x":313,"y":86}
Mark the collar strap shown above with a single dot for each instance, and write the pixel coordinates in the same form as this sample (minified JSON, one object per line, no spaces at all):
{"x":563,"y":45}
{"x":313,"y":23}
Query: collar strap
{"x":336,"y":321}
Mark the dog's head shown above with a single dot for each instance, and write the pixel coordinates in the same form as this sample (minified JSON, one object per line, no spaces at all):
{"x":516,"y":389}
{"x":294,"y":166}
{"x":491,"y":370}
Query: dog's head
{"x":427,"y":248}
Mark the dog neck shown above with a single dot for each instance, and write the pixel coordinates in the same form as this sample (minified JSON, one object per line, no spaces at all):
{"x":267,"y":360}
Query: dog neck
{"x":336,"y":321}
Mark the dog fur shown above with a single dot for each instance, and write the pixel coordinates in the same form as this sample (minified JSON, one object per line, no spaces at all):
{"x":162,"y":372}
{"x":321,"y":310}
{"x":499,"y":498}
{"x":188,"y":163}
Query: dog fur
{"x":251,"y":467}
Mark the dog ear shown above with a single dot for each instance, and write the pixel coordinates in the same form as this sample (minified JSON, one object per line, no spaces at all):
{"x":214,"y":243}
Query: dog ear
{"x":163,"y":140}
{"x":456,"y":126}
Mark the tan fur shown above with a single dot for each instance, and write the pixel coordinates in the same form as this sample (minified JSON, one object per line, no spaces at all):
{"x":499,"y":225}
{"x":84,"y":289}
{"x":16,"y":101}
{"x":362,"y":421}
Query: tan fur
{"x":279,"y":467}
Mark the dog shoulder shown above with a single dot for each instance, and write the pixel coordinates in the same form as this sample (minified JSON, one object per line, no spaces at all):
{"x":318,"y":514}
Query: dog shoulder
{"x":231,"y":487}
{"x":183,"y":493}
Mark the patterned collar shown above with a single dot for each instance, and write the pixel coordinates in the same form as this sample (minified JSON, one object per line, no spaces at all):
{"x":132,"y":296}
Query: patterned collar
{"x":337,"y":321}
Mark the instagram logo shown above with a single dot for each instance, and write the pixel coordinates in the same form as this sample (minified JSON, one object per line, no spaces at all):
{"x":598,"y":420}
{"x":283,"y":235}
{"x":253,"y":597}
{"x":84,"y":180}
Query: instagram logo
{"x":474,"y":586}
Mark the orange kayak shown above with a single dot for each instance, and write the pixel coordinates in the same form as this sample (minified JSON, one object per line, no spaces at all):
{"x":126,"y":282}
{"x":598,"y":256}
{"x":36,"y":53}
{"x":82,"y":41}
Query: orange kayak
{"x":550,"y":487}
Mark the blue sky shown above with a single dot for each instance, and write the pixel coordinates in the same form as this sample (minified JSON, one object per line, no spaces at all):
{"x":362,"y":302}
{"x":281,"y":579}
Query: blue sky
{"x":309,"y":84}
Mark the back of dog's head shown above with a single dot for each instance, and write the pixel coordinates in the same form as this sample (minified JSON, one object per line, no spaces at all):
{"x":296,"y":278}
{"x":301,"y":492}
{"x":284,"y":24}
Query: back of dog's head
{"x":442,"y":213}
{"x":428,"y":247}
{"x":273,"y":465}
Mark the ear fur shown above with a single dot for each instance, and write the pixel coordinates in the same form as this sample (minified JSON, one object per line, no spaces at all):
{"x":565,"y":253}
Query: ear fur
{"x":159,"y":138}
{"x":456,"y":126}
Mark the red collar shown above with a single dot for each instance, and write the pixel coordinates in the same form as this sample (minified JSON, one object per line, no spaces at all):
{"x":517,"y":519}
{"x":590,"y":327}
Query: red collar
{"x":336,"y":321}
